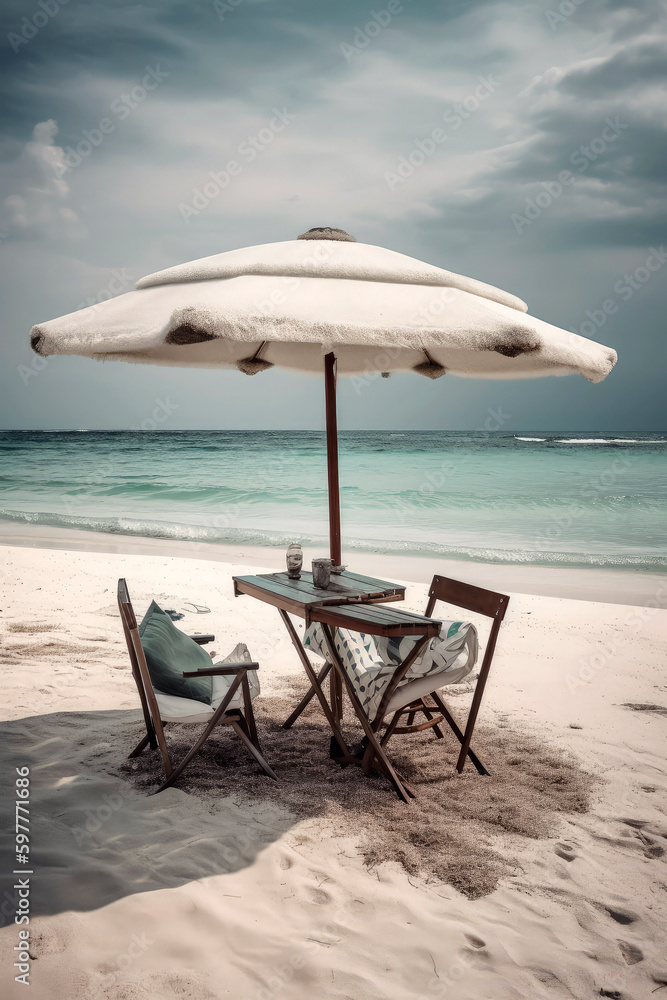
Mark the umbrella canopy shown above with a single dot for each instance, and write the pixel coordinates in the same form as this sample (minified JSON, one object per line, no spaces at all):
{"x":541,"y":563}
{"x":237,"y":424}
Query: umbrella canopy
{"x":323,"y":303}
{"x":290,"y":303}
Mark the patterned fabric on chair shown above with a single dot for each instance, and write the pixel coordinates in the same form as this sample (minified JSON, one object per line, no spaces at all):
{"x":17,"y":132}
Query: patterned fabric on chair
{"x":370,"y":661}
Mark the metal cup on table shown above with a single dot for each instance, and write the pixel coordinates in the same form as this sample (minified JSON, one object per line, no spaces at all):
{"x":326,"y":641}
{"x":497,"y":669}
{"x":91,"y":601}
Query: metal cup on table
{"x":322,"y":573}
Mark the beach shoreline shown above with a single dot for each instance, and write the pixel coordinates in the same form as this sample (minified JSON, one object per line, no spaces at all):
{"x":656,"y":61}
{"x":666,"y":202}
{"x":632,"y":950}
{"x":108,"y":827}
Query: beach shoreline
{"x":496,"y":509}
{"x":607,"y":585}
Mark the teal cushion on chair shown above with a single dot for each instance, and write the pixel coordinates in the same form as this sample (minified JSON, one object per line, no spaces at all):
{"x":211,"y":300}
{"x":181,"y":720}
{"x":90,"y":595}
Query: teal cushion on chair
{"x":169,"y":652}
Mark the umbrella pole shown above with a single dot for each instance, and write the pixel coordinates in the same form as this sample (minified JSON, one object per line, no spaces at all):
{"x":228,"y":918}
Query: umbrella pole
{"x":332,"y":457}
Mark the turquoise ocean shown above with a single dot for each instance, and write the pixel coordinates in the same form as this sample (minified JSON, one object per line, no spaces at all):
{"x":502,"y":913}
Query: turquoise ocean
{"x":561,"y":499}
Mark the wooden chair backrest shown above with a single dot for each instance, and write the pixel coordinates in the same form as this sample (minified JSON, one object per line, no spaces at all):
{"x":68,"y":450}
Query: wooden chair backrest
{"x":464,"y":595}
{"x":137,"y":657}
{"x":482,"y":602}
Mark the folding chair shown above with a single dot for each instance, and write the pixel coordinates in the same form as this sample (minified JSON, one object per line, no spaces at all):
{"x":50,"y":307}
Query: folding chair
{"x":411,"y":698}
{"x":160,"y":709}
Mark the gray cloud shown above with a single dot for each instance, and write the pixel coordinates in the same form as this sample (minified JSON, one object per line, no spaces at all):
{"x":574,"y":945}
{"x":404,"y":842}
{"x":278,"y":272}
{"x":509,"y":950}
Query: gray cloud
{"x":357,"y":116}
{"x":603,"y":120}
{"x":630,"y":68}
{"x":35,"y":205}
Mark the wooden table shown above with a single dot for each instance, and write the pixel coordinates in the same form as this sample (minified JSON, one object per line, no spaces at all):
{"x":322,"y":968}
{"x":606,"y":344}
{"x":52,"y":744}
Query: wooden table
{"x":351,"y":601}
{"x":301,"y":596}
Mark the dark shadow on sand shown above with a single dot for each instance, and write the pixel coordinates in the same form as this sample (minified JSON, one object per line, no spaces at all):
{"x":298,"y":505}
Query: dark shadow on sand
{"x":97,"y":834}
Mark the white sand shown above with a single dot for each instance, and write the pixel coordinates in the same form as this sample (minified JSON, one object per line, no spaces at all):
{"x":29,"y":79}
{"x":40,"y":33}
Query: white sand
{"x":131,"y":901}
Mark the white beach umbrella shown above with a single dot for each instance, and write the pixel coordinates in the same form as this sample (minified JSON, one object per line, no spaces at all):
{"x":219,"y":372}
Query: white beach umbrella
{"x":320,"y":303}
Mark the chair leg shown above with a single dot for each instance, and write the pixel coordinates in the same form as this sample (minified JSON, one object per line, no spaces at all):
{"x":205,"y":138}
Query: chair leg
{"x":374,"y":748}
{"x":474,"y":708}
{"x":243,"y":723}
{"x":429,"y":715}
{"x":248,"y":712}
{"x":144,"y":741}
{"x":141,"y":745}
{"x":305,"y":701}
{"x":238,"y":729}
{"x":178,"y":770}
{"x":217,"y":715}
{"x":162,"y":744}
{"x":150,"y":728}
{"x":390,"y":728}
{"x":457,"y":732}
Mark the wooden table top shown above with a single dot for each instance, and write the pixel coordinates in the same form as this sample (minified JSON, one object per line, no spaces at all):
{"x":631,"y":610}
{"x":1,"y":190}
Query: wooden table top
{"x":301,"y":596}
{"x":376,"y":619}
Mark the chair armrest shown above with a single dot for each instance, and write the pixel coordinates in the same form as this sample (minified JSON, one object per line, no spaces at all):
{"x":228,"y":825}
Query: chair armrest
{"x":221,"y":669}
{"x":201,"y":640}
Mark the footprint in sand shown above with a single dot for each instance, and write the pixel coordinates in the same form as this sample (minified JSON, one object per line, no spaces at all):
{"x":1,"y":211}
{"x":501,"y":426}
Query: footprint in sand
{"x":650,"y":848}
{"x":475,"y":954}
{"x":653,"y":709}
{"x":474,"y":941}
{"x":620,"y":916}
{"x":630,"y":952}
{"x":319,"y":896}
{"x":648,"y":845}
{"x":565,"y":851}
{"x":654,"y":851}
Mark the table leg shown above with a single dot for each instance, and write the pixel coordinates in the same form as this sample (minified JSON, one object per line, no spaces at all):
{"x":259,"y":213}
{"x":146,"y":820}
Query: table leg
{"x":305,"y":701}
{"x":336,"y":689}
{"x":338,"y":737}
{"x":383,"y":763}
{"x":336,"y":699}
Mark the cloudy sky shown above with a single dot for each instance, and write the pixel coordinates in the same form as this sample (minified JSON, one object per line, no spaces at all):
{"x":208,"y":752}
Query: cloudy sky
{"x":548,"y":180}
